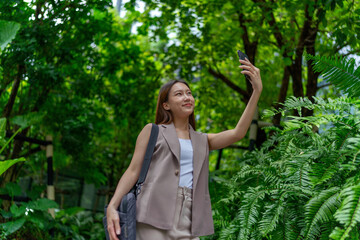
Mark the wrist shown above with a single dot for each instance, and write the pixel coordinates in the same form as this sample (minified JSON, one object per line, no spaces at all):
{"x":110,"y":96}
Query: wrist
{"x":112,"y":205}
{"x":257,"y":91}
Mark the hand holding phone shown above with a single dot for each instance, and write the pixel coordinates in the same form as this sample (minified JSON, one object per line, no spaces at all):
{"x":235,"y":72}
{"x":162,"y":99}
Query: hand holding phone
{"x":242,"y":56}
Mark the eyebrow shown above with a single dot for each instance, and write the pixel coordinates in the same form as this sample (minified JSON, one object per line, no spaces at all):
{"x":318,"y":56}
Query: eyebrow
{"x":181,"y":90}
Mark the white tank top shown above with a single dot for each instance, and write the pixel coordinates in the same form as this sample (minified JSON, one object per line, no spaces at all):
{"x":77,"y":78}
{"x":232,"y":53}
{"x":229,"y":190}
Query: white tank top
{"x":186,"y":163}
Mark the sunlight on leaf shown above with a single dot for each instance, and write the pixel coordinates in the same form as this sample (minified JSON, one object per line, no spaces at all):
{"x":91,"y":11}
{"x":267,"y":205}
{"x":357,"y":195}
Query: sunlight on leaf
{"x":5,"y":165}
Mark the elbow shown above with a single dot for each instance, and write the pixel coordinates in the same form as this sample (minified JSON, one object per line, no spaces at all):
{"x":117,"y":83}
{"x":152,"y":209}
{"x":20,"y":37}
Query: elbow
{"x":239,"y":135}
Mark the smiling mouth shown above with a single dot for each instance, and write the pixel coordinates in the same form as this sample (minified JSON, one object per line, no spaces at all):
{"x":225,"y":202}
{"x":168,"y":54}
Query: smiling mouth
{"x":187,"y":105}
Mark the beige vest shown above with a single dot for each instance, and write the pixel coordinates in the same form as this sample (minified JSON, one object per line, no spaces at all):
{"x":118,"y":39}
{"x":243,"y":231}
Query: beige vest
{"x":156,"y":202}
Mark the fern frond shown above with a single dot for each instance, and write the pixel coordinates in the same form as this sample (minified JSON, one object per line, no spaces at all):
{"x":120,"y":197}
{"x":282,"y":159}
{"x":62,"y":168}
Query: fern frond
{"x":320,"y":209}
{"x":341,"y":105}
{"x":249,"y":211}
{"x":270,"y":218}
{"x":290,"y":225}
{"x":337,"y":233}
{"x":353,"y":146}
{"x":326,"y":166}
{"x":339,"y":71}
{"x":298,"y":169}
{"x":349,"y":212}
{"x":229,"y":232}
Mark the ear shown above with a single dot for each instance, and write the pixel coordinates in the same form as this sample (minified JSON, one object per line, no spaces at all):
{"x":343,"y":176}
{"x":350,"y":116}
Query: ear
{"x":166,"y":106}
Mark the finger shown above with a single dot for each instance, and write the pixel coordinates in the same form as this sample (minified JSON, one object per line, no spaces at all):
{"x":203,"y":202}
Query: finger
{"x":249,"y":70}
{"x":117,"y":227}
{"x":112,"y":233}
{"x":247,"y":63}
{"x":250,"y":74}
{"x":245,"y":67}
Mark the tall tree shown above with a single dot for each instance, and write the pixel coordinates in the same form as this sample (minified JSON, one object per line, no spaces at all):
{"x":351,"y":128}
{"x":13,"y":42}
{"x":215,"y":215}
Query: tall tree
{"x":203,"y":37}
{"x":78,"y":71}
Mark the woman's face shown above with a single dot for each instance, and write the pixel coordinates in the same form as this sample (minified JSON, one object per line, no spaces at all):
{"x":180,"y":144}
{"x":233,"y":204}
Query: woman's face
{"x":180,"y":101}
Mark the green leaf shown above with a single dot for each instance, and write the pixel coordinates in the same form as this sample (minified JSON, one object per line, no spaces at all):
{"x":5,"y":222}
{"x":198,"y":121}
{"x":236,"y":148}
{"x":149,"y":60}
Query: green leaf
{"x":7,"y":143}
{"x":40,"y":219}
{"x":13,"y":226}
{"x":42,"y":204}
{"x":5,"y":165}
{"x":5,"y":214}
{"x":8,"y":31}
{"x":18,"y":211}
{"x":339,"y":71}
{"x":337,"y":233}
{"x":74,"y":210}
{"x":320,"y":209}
{"x":249,"y":211}
{"x":2,"y":127}
{"x":11,"y":188}
{"x":349,"y":212}
{"x":271,"y":217}
{"x":27,"y":120}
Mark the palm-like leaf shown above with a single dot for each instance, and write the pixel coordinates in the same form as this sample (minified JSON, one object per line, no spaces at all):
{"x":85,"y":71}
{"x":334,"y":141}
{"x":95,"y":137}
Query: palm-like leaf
{"x":326,"y":166}
{"x":320,"y":209}
{"x":339,"y":71}
{"x":271,"y":217}
{"x":290,"y":224}
{"x":249,"y":212}
{"x":349,"y":212}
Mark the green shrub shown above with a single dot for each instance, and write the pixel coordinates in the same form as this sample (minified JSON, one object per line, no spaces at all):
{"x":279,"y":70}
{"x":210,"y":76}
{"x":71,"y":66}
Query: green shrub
{"x":304,"y":182}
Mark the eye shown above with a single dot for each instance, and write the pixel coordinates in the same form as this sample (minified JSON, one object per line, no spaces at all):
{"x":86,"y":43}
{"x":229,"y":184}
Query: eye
{"x":178,"y":94}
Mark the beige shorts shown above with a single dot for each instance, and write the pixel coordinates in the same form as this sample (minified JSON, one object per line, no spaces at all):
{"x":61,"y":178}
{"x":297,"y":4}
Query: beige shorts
{"x":182,"y":221}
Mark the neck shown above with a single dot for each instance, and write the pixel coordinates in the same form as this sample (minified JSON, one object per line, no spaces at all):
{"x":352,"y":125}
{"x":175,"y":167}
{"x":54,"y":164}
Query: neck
{"x":181,"y":124}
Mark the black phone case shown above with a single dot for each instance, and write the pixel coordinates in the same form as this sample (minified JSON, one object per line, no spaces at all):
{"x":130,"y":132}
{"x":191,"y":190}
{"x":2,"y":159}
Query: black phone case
{"x":242,"y":55}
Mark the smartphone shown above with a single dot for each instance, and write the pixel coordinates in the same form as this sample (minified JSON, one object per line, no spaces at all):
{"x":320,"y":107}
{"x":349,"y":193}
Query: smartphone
{"x":242,"y":56}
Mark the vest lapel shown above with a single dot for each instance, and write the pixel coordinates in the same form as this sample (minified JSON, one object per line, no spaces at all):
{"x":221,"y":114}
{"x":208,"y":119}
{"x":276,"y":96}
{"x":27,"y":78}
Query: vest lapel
{"x":198,"y":144}
{"x":171,"y":138}
{"x":199,"y":151}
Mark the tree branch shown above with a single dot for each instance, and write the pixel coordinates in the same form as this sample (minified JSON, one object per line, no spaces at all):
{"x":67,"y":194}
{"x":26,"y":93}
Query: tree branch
{"x":325,"y":85}
{"x":351,"y":52}
{"x":245,"y":95}
{"x":14,"y":90}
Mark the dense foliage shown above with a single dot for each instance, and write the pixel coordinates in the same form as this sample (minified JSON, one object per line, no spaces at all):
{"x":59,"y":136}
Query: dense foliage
{"x":77,"y":71}
{"x":303,"y":183}
{"x":202,"y":37}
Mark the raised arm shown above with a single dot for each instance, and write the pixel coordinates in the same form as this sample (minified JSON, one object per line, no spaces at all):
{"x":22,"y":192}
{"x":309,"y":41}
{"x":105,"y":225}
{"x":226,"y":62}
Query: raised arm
{"x":127,"y":181}
{"x":225,"y":138}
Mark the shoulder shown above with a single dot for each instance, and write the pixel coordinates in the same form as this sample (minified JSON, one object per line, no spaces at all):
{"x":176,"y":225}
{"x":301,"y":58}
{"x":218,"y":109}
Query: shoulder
{"x":146,"y":131}
{"x":148,"y":127}
{"x":200,"y":135}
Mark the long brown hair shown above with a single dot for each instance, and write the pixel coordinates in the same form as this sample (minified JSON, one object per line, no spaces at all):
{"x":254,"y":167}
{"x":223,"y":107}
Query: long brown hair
{"x":163,"y":116}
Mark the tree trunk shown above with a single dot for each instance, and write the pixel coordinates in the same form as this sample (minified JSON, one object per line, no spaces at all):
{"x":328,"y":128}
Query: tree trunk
{"x":312,"y":77}
{"x":14,"y":90}
{"x":282,"y":94}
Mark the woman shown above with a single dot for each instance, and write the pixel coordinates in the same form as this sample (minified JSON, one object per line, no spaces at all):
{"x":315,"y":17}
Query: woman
{"x":174,"y":202}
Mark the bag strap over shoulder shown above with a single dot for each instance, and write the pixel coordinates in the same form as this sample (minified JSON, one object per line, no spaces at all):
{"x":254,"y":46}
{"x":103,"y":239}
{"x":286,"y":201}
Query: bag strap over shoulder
{"x":148,"y":154}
